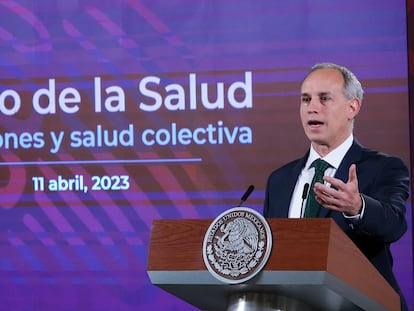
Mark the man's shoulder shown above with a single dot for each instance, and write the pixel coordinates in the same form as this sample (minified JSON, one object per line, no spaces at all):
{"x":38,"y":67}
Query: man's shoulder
{"x":372,"y":154}
{"x":378,"y":155}
{"x":380,"y":160}
{"x":288,"y":168}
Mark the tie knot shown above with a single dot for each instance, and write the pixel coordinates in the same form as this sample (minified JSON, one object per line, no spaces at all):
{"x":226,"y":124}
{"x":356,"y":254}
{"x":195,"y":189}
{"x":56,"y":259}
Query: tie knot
{"x":320,"y":165}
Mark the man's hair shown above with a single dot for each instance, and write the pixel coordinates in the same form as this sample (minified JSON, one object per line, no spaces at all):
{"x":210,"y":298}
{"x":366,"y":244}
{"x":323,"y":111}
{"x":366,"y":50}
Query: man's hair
{"x":352,"y":86}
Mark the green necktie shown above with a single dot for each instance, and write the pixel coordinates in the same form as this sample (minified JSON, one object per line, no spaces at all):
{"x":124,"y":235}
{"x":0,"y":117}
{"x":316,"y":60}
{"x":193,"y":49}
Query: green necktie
{"x":312,"y":206}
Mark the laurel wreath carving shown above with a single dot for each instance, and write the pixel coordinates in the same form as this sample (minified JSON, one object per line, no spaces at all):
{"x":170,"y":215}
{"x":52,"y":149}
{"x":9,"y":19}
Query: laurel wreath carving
{"x":234,"y":263}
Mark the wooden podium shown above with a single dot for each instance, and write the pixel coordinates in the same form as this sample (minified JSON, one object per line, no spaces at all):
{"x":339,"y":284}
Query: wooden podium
{"x":312,"y":262}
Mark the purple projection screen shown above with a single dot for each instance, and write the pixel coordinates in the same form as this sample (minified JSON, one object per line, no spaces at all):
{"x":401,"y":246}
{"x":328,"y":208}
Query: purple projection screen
{"x":116,"y":113}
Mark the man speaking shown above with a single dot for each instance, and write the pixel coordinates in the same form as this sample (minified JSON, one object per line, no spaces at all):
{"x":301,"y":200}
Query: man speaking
{"x":364,"y":191}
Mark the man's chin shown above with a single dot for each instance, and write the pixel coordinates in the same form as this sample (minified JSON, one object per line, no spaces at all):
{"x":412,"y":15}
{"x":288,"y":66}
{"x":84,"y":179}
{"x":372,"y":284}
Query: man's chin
{"x":316,"y":138}
{"x":318,"y":142}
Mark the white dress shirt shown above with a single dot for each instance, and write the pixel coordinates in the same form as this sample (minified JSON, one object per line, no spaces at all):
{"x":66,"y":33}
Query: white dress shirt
{"x":334,"y":158}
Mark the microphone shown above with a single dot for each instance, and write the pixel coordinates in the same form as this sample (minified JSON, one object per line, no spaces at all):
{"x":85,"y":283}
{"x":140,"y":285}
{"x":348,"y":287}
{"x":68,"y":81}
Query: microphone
{"x":246,"y":195}
{"x":304,"y":196}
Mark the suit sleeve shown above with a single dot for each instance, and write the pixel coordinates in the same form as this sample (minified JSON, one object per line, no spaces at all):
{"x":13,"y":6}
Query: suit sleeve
{"x":385,"y":189}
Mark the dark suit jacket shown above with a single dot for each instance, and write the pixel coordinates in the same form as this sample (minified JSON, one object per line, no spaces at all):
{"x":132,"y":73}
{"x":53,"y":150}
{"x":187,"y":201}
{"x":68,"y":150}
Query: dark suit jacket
{"x":384,"y":184}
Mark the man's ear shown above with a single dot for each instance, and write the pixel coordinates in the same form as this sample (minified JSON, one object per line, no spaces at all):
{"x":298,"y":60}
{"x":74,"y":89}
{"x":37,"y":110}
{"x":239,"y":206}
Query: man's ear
{"x":355,"y":106}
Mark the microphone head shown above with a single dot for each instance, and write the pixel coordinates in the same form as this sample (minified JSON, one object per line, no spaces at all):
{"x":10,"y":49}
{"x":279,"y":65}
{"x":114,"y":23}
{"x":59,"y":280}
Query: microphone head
{"x":305,"y":191}
{"x":247,"y":193}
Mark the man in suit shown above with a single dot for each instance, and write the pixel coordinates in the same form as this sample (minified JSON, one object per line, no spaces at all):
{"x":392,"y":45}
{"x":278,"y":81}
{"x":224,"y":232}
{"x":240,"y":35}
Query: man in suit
{"x":364,"y":191}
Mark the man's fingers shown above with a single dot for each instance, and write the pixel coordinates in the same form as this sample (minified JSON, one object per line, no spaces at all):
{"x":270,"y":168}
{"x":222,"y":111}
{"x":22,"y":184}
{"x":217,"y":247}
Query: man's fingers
{"x":352,"y":174}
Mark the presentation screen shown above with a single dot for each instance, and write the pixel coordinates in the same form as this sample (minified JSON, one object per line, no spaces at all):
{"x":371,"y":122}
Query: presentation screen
{"x":116,"y":113}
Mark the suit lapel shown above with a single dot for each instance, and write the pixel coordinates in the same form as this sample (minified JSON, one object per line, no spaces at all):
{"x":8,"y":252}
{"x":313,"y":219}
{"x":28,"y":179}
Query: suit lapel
{"x":352,"y":156}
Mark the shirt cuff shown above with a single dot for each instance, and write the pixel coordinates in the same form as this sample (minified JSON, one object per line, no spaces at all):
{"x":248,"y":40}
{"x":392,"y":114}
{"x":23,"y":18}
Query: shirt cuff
{"x":359,"y":216}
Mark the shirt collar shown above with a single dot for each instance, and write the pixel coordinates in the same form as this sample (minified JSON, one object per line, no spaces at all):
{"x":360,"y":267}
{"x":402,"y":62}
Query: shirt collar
{"x":334,"y":157}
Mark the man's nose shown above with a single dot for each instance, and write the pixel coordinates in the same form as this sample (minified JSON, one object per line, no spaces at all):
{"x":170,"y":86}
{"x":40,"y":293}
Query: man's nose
{"x":313,"y":104}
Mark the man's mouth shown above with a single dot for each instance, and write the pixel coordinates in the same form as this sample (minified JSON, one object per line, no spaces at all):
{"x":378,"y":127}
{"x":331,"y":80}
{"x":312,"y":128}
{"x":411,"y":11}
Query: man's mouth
{"x":314,"y":122}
